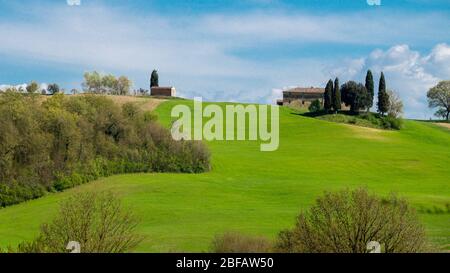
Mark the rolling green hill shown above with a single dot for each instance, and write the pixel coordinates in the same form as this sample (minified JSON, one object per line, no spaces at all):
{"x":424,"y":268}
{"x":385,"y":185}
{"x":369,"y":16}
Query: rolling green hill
{"x":261,"y":193}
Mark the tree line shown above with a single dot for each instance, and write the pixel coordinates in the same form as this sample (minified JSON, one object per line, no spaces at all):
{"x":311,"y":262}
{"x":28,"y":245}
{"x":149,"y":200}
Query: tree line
{"x":357,"y":96}
{"x":64,"y":141}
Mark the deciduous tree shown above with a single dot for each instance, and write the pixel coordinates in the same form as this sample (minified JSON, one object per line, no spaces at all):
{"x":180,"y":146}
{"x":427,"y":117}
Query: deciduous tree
{"x":439,"y":97}
{"x":97,"y":221}
{"x":345,"y":222}
{"x":53,"y":88}
{"x":354,"y":95}
{"x":395,"y":108}
{"x":32,"y":87}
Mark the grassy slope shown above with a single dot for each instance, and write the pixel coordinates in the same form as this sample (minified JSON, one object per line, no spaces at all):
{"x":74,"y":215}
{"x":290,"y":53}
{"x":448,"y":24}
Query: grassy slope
{"x":260,"y":193}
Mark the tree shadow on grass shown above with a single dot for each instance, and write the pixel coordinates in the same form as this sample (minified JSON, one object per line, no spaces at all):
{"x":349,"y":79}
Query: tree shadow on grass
{"x":324,"y":113}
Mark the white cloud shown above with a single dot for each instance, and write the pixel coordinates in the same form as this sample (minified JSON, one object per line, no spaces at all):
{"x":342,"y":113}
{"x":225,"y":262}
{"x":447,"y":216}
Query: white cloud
{"x":17,"y":86}
{"x":407,"y":71}
{"x":23,"y":86}
{"x":363,"y":28}
{"x":439,"y":61}
{"x":193,"y":53}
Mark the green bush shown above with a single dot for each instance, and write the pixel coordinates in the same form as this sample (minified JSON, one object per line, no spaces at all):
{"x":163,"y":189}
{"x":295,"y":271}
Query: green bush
{"x":389,"y":122}
{"x":366,"y":120}
{"x":315,"y":106}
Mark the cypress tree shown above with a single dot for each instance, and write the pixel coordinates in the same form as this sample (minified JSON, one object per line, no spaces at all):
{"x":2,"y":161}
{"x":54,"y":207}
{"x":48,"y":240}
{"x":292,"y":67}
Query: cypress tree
{"x":154,"y":80}
{"x":327,"y":101}
{"x":383,"y":97}
{"x":336,"y":96}
{"x":370,"y":89}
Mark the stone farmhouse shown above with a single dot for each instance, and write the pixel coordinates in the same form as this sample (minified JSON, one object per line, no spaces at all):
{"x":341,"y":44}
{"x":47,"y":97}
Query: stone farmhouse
{"x":303,"y":95}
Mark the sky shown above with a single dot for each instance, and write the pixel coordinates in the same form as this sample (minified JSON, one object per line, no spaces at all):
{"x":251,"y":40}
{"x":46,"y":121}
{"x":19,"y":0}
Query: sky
{"x":226,"y":50}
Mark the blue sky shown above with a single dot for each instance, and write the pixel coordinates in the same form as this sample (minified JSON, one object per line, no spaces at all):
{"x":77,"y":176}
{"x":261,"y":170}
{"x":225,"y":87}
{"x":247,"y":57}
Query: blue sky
{"x":247,"y":50}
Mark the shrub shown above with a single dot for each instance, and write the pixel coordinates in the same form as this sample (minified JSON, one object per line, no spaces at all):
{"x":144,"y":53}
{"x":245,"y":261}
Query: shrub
{"x":346,"y":221}
{"x":366,"y":119}
{"x":315,"y":106}
{"x":97,"y":221}
{"x":232,"y":242}
{"x":390,"y":122}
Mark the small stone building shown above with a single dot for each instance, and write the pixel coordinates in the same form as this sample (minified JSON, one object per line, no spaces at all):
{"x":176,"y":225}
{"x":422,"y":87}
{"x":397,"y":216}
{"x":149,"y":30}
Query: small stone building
{"x":304,"y":96}
{"x":164,"y":91}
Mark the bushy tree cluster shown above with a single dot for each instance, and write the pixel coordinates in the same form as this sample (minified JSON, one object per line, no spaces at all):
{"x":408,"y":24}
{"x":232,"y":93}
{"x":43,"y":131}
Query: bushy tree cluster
{"x":106,"y":84}
{"x":359,"y":96}
{"x":65,"y":141}
{"x":355,"y":95}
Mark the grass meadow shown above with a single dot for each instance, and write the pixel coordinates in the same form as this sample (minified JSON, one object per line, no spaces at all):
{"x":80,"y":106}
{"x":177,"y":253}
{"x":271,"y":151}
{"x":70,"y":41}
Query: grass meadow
{"x":260,"y":193}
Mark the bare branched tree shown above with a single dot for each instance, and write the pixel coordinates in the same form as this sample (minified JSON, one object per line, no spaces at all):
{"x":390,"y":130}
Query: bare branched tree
{"x":97,"y":221}
{"x":345,"y":222}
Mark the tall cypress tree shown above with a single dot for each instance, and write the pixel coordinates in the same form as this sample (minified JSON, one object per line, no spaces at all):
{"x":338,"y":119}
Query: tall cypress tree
{"x":154,"y":80}
{"x":327,"y":100}
{"x":370,"y":89}
{"x":336,"y":96}
{"x":383,"y":97}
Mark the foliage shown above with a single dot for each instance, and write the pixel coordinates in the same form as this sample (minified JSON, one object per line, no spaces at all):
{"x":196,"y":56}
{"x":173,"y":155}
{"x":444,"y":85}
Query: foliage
{"x":439,"y":97}
{"x":261,"y":193}
{"x":97,"y":221}
{"x":383,"y":97}
{"x":441,"y":113}
{"x":66,"y":141}
{"x":327,"y":102}
{"x":32,"y":87}
{"x":345,"y":222}
{"x":53,"y":88}
{"x":315,"y":106}
{"x":354,"y":95}
{"x":154,"y":79}
{"x":370,"y":89}
{"x":106,"y":84}
{"x":233,"y":242}
{"x":142,"y":92}
{"x":395,"y":108}
{"x":366,"y":120}
{"x":336,"y":97}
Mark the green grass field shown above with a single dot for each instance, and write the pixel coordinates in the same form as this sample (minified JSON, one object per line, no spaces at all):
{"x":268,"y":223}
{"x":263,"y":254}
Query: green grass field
{"x":261,"y":193}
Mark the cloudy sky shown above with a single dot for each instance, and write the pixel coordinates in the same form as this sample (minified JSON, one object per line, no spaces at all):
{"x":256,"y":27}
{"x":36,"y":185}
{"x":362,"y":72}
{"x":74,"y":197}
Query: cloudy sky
{"x":225,"y":50}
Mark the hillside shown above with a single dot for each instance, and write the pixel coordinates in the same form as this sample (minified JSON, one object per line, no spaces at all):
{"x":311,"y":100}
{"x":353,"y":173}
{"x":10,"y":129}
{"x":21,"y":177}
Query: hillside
{"x":261,"y":193}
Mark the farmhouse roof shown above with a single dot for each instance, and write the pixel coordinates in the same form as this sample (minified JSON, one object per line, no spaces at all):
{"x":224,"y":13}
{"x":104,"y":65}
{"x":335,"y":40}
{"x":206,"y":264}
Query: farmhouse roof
{"x":162,"y":87}
{"x":314,"y":90}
